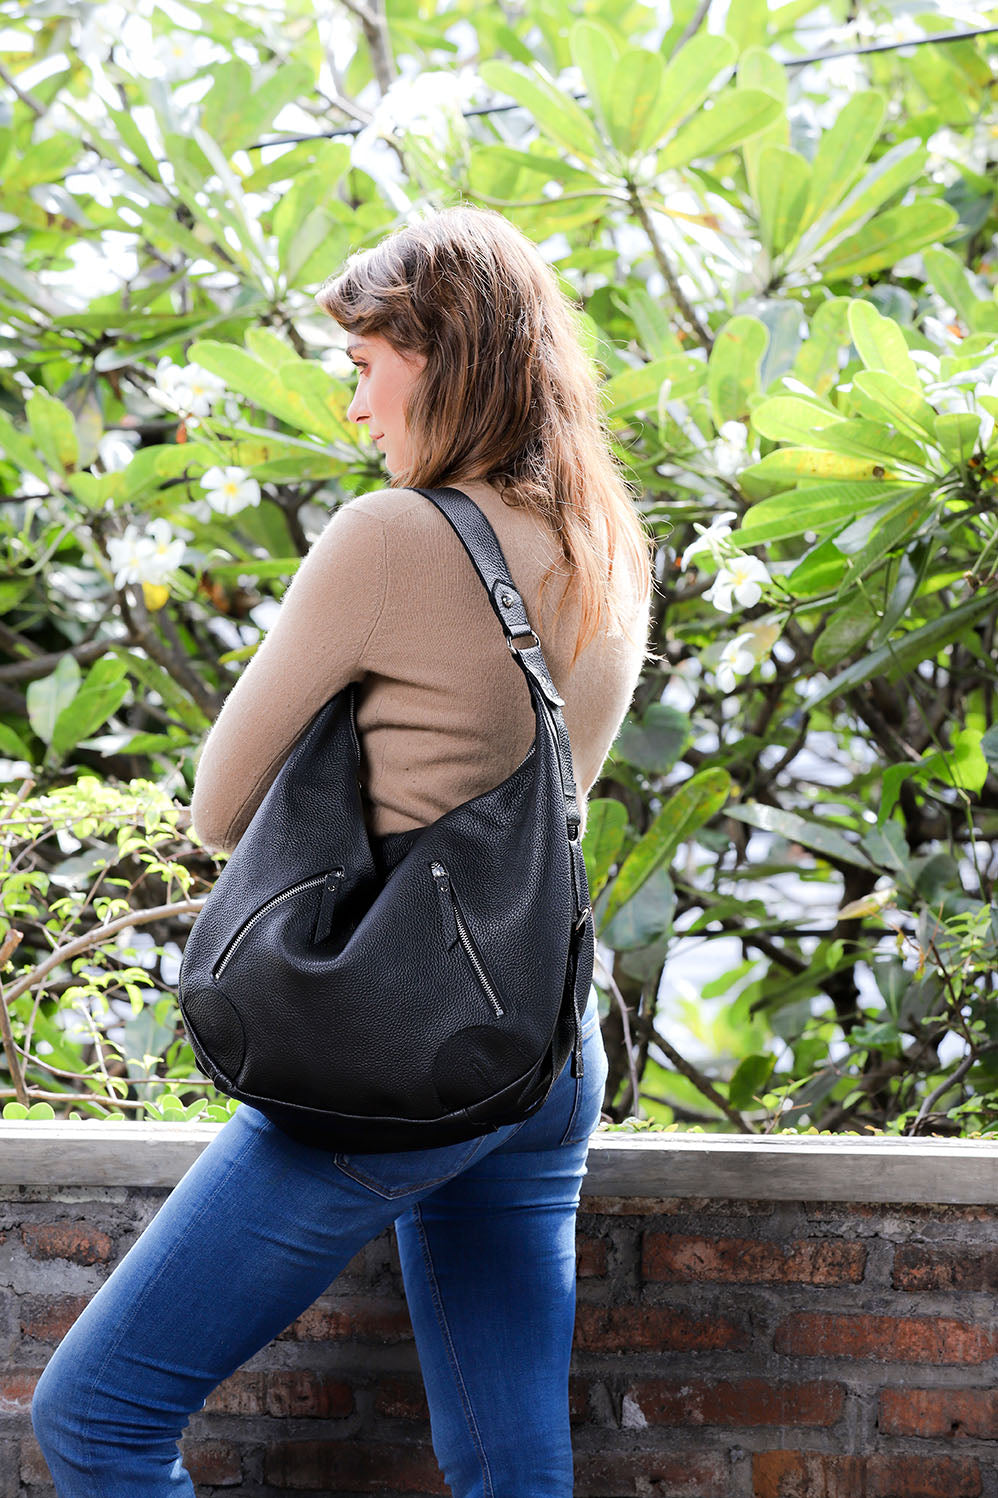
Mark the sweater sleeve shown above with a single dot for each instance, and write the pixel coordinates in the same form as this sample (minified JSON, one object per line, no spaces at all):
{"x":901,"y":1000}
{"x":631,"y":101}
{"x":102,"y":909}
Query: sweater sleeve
{"x":314,"y":648}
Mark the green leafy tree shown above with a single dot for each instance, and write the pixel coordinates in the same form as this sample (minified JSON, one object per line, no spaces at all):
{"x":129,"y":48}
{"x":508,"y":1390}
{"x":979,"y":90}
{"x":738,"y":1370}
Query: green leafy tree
{"x":786,"y":275}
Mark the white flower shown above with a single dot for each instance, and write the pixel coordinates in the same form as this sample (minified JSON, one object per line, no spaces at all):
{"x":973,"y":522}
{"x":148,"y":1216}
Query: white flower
{"x":146,"y":556}
{"x":710,"y":538}
{"x":732,"y":449}
{"x":229,"y":489}
{"x":174,"y":56}
{"x":741,"y":576}
{"x":188,"y":391}
{"x":115,"y":451}
{"x":736,"y":659}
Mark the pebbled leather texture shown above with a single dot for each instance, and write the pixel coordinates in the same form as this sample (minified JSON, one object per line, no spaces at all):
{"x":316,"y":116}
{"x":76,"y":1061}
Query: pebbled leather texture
{"x":389,"y":1034}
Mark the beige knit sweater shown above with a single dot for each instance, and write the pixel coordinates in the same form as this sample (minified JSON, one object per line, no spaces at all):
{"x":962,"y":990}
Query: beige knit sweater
{"x":388,"y":597}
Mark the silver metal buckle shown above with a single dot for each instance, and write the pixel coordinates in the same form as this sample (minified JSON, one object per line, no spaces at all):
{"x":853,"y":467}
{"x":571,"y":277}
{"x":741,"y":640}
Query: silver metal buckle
{"x":519,"y":649}
{"x":582,"y":917}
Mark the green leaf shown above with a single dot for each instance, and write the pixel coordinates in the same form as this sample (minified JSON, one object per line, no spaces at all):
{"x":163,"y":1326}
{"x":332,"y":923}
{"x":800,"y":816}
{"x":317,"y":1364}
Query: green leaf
{"x":889,"y":238}
{"x":302,"y":394}
{"x":881,"y":344}
{"x":645,"y":918}
{"x":903,"y":654}
{"x":102,"y":693}
{"x":606,"y":826}
{"x":905,"y":407}
{"x":948,"y":274}
{"x":656,"y":742}
{"x":53,"y":429}
{"x":687,"y":80}
{"x":957,"y":433}
{"x":882,"y":531}
{"x":827,"y":841}
{"x":749,"y":1080}
{"x":784,"y":184}
{"x":842,"y":150}
{"x":687,"y":807}
{"x":889,"y":175}
{"x":818,"y":507}
{"x":733,"y":118}
{"x":845,"y":631}
{"x":792,"y":418}
{"x":554,"y":111}
{"x":733,"y":370}
{"x":637,"y":389}
{"x":14,"y":1110}
{"x":963,"y":766}
{"x":989,"y":746}
{"x":49,"y":695}
{"x":629,"y":108}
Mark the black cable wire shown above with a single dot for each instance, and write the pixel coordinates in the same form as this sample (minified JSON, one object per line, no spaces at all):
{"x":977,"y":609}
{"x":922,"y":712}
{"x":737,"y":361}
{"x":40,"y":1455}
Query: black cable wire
{"x":787,"y":62}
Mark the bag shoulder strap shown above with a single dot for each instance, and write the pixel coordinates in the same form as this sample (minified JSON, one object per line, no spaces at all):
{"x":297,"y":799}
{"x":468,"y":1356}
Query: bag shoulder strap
{"x":482,"y":545}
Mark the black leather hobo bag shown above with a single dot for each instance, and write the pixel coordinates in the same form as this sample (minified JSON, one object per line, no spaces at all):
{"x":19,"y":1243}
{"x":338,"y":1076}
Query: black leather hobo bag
{"x":391,"y":994}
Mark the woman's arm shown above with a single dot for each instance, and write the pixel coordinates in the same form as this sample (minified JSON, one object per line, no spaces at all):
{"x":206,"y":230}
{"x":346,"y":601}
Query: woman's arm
{"x":315,"y":647}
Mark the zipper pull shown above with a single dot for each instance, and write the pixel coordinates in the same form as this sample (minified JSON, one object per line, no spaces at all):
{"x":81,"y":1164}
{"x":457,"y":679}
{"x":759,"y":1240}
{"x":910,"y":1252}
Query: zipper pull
{"x":324,"y":920}
{"x":441,"y":879}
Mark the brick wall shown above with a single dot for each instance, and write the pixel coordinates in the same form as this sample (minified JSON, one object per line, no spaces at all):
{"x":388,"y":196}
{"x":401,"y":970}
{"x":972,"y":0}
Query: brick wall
{"x":725,"y":1347}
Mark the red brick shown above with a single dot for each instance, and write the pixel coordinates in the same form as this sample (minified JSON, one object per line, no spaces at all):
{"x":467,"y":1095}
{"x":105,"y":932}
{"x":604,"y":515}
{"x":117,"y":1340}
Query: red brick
{"x":625,"y":1329}
{"x":813,"y":1474}
{"x":746,"y":1401}
{"x":214,"y":1462}
{"x":952,"y":1413}
{"x":690,"y":1474}
{"x":885,"y":1339}
{"x":578,"y":1400}
{"x":67,"y":1240}
{"x":48,"y":1319}
{"x":590,"y":1257}
{"x":360,"y":1319}
{"x":812,"y":1261}
{"x":300,"y":1392}
{"x":401,"y":1397}
{"x":16,"y":1390}
{"x":34,"y":1467}
{"x":918,"y":1268}
{"x":356,"y":1466}
{"x":241,"y":1393}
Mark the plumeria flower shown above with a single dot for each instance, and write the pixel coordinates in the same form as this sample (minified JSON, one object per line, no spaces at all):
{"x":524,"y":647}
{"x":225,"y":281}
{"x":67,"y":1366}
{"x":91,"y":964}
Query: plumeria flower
{"x":709,"y":539}
{"x":116,"y":451}
{"x":174,"y":56}
{"x":736,"y":659}
{"x":148,"y":556}
{"x":731,"y":450}
{"x":741,"y":577}
{"x":188,"y":391}
{"x":230,"y":490}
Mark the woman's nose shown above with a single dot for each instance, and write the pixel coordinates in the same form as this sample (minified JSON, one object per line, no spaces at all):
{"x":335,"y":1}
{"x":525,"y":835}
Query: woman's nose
{"x":356,"y":410}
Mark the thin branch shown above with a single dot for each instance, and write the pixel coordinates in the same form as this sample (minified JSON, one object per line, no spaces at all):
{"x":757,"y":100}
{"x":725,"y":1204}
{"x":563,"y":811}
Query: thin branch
{"x":99,"y":934}
{"x":10,"y":942}
{"x":703,"y":335}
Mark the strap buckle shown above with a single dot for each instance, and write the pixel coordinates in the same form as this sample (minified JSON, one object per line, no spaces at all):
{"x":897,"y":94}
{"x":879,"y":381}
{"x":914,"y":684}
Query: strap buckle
{"x":519,"y":649}
{"x":581,"y":921}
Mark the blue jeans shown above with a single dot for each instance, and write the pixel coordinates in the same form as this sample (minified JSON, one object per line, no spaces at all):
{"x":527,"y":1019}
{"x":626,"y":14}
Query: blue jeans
{"x":260,"y":1225}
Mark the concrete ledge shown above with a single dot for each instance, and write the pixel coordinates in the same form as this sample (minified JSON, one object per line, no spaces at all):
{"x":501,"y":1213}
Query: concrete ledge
{"x":782,"y":1167}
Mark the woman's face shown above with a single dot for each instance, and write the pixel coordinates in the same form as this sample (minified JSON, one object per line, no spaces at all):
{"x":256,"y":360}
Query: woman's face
{"x":384,"y":379}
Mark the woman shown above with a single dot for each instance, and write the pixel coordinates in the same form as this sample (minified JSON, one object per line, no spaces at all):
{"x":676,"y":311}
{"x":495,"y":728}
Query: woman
{"x":470,"y":374}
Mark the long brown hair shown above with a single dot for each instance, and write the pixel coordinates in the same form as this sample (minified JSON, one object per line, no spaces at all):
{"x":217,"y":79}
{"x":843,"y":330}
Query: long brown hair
{"x":508,"y":393}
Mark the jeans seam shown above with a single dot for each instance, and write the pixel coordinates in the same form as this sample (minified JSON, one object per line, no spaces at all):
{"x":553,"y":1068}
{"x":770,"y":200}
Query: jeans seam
{"x":140,"y":1301}
{"x":438,"y":1306}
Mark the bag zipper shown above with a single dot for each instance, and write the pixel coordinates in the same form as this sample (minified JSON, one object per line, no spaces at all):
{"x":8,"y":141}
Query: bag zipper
{"x":456,"y":929}
{"x":330,"y":880}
